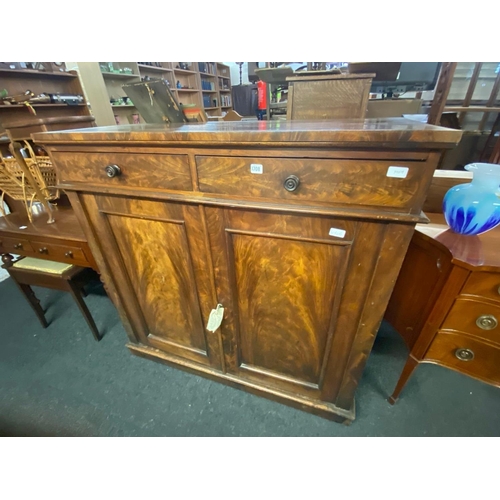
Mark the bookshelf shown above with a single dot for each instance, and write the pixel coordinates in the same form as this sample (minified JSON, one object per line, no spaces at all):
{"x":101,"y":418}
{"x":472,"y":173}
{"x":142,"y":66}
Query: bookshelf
{"x":205,"y":84}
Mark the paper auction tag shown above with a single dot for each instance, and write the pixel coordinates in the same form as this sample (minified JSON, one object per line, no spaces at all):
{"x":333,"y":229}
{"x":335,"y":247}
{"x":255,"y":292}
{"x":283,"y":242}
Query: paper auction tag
{"x":215,"y":318}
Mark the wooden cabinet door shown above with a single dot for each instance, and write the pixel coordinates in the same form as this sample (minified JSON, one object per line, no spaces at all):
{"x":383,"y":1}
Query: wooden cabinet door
{"x":281,"y":280}
{"x":158,"y":257}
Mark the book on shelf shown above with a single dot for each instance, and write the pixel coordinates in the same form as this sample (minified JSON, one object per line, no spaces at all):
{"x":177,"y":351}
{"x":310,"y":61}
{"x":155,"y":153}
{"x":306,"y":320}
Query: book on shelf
{"x":206,"y":85}
{"x":223,"y":85}
{"x":225,"y":100}
{"x":205,"y":67}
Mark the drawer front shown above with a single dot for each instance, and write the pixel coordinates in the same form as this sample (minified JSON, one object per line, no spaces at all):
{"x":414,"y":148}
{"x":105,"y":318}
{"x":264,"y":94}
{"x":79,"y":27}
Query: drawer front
{"x":136,"y":170}
{"x":483,"y":285}
{"x":366,"y":182}
{"x":61,"y":253}
{"x":18,"y":246}
{"x":467,"y":355}
{"x":480,"y":319}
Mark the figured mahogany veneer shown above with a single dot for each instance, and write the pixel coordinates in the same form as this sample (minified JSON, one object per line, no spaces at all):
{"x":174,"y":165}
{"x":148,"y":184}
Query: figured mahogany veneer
{"x":302,"y":252}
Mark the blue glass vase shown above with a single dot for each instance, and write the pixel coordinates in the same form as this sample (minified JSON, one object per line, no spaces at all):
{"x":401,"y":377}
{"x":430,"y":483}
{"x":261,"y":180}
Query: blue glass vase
{"x":474,"y":208}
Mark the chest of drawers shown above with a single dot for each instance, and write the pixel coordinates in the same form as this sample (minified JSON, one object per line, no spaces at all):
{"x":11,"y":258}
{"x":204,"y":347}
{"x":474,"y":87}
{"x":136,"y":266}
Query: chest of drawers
{"x":446,"y":302}
{"x":296,"y":229}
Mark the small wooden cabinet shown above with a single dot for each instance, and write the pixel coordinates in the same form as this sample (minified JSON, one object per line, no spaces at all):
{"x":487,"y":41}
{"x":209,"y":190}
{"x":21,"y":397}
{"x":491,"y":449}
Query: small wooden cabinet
{"x":298,"y":231}
{"x":327,"y":97}
{"x":446,"y":302}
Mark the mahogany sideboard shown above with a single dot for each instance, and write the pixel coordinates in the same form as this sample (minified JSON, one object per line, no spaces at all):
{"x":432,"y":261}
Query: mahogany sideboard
{"x":297,"y":229}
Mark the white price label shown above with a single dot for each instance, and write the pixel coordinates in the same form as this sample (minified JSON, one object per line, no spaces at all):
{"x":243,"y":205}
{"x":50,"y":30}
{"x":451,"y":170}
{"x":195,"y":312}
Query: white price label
{"x":215,"y":318}
{"x":399,"y":172}
{"x":256,"y":168}
{"x":339,"y":233}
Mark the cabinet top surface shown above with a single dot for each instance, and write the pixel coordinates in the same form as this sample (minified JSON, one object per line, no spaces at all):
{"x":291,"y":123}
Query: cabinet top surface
{"x":471,"y":251}
{"x":388,"y":132}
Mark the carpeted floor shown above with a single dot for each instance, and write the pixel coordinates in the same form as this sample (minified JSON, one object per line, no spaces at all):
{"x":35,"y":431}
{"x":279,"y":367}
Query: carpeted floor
{"x":60,"y":382}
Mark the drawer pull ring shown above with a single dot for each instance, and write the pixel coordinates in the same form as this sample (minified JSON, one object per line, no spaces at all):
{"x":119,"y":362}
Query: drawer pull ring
{"x":487,"y":322}
{"x":464,"y":354}
{"x":18,"y":245}
{"x":43,"y":250}
{"x":291,"y":183}
{"x":113,"y":170}
{"x":69,"y":254}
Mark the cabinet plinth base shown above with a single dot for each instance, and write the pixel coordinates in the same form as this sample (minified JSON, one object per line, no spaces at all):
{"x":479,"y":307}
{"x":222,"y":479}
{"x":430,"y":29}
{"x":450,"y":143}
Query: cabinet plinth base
{"x":319,"y":408}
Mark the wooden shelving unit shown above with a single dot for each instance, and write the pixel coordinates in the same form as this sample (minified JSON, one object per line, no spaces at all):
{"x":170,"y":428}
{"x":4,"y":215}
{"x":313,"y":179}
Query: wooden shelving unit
{"x":192,"y":83}
{"x":36,"y":74}
{"x":18,"y":81}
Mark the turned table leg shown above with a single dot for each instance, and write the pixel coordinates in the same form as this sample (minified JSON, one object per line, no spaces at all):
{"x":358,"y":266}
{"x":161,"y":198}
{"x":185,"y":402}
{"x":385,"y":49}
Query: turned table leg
{"x":27,"y":291}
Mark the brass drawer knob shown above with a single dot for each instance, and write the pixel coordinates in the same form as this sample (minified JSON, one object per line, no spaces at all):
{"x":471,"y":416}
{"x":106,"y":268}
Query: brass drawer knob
{"x":43,"y":250}
{"x":291,"y":183}
{"x":487,"y":322}
{"x":464,"y":354}
{"x":113,"y":170}
{"x":18,"y":245}
{"x":69,"y":254}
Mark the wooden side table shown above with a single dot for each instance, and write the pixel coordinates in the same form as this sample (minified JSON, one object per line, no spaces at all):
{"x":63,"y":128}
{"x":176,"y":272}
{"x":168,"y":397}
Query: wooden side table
{"x":62,"y":241}
{"x":446,"y":302}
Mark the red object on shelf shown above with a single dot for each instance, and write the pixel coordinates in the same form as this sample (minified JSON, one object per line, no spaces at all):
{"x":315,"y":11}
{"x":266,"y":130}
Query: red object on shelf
{"x":261,"y":95}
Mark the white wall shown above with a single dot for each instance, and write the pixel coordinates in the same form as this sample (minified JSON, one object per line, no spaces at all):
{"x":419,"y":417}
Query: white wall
{"x":235,"y":73}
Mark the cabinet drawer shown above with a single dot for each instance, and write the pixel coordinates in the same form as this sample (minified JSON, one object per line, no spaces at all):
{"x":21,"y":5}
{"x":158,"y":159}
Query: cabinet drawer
{"x":61,"y":253}
{"x":136,"y":170}
{"x":467,"y":355}
{"x":15,"y":245}
{"x":483,"y":285}
{"x":480,"y":319}
{"x":363,"y":182}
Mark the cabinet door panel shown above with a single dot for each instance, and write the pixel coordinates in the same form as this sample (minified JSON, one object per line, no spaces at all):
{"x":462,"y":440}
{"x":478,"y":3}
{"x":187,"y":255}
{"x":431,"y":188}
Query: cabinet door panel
{"x":280,"y":278}
{"x":163,"y":260}
{"x":161,"y":273}
{"x":285,"y":291}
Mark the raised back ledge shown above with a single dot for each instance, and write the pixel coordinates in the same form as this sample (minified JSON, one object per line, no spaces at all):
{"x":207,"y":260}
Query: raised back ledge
{"x":387,"y":133}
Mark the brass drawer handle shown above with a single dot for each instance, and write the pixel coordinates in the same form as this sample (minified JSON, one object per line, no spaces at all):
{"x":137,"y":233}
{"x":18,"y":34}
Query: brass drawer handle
{"x":464,"y":354}
{"x":69,"y":254}
{"x":43,"y":250}
{"x":18,"y":246}
{"x":487,"y":322}
{"x":291,"y":183}
{"x":113,"y":170}
{"x":498,"y":290}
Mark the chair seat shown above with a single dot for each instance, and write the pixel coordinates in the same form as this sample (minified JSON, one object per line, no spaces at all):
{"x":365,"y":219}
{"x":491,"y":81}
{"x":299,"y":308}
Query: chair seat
{"x":43,"y":266}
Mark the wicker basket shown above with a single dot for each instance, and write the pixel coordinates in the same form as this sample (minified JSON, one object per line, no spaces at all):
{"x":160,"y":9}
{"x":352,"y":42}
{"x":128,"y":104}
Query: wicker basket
{"x":14,"y":183}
